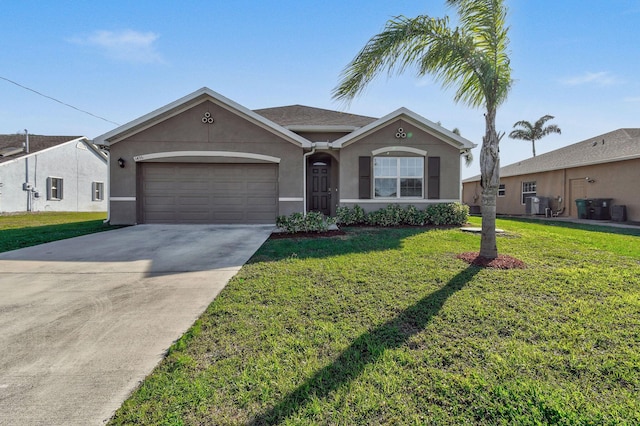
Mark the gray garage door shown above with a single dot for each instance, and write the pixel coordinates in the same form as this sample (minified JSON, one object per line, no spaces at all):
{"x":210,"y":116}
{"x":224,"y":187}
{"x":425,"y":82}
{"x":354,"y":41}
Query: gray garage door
{"x":209,"y":193}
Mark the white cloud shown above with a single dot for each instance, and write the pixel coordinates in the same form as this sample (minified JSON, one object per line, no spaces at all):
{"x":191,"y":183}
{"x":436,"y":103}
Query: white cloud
{"x":125,"y":45}
{"x":602,"y":78}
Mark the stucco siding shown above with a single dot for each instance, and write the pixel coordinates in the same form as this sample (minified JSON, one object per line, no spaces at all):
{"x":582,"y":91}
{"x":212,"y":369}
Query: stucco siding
{"x":616,"y":180}
{"x":186,"y":132}
{"x":385,"y":137}
{"x":74,"y":162}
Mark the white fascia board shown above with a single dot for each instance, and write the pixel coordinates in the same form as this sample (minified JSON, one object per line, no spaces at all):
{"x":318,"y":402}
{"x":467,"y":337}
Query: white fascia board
{"x":186,"y":102}
{"x":415,"y":119}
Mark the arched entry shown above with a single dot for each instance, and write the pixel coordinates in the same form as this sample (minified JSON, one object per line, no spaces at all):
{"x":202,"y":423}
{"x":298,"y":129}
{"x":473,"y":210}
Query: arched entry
{"x":320,"y":186}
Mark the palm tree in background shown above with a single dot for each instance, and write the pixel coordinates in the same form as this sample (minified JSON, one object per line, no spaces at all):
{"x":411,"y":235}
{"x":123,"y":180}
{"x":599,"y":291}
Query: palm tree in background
{"x":472,"y":57}
{"x":534,"y":132}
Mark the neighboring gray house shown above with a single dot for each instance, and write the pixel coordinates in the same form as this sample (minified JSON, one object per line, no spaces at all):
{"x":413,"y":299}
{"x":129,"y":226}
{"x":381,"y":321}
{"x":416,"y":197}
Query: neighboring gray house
{"x":207,"y":159}
{"x":58,"y":173}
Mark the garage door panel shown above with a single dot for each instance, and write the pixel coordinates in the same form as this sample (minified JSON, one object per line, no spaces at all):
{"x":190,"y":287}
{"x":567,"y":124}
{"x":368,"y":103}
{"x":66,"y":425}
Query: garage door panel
{"x":209,"y":193}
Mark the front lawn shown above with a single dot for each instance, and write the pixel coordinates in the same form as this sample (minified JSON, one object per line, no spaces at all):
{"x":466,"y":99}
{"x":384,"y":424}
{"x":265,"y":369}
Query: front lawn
{"x":386,"y":326}
{"x":30,"y":229}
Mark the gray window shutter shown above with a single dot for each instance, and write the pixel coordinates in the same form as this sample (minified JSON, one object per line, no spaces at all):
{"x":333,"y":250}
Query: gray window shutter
{"x":433,"y":171}
{"x":364,"y":174}
{"x":49,"y":188}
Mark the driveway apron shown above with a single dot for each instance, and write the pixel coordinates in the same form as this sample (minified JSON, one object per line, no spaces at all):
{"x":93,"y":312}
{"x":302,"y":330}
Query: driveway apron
{"x":84,"y":320}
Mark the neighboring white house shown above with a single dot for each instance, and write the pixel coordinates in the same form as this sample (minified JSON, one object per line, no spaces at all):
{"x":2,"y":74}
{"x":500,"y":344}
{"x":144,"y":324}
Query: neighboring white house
{"x":51,"y":173}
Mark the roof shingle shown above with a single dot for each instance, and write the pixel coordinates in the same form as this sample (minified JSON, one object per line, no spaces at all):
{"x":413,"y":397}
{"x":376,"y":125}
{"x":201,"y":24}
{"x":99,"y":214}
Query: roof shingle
{"x":300,"y":115}
{"x":618,"y":145}
{"x":36,"y":143}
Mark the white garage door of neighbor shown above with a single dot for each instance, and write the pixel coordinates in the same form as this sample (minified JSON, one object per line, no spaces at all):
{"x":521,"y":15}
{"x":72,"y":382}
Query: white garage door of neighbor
{"x":209,"y":193}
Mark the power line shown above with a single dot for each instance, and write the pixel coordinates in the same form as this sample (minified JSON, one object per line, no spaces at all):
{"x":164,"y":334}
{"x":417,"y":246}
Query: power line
{"x":58,"y":101}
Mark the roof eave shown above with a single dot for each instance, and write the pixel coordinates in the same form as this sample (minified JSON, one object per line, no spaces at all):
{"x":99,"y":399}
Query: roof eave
{"x":176,"y":107}
{"x":427,"y":125}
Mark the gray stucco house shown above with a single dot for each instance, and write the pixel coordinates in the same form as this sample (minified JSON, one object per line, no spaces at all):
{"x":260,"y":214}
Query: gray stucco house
{"x":51,"y":173}
{"x":207,"y":159}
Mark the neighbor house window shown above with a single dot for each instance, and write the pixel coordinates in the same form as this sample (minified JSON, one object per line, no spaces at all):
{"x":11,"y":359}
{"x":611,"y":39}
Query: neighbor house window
{"x":97,"y":190}
{"x":54,"y":188}
{"x":501,"y":190}
{"x":398,"y":177}
{"x":528,"y":190}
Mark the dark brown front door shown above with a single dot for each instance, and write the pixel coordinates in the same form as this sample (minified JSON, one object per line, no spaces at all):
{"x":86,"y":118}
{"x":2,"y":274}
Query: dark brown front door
{"x":320,"y":188}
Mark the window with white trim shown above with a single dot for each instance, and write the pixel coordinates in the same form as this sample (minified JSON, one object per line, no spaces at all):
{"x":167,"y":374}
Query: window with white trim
{"x":54,"y":188}
{"x":502,"y":190}
{"x":97,"y":191}
{"x":398,"y":177}
{"x":528,"y":190}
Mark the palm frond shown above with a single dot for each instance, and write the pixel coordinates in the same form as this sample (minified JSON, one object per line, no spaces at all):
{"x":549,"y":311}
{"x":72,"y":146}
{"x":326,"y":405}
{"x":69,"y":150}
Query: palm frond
{"x":399,"y":46}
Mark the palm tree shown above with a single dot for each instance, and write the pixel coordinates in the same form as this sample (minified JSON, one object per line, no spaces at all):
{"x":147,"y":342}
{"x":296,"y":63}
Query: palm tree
{"x":537,"y":131}
{"x":472,"y":56}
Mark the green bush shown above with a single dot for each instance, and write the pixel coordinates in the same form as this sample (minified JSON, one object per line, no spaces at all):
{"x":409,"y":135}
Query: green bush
{"x":447,"y":214}
{"x":414,"y":216}
{"x":297,"y":222}
{"x":351,"y":216}
{"x":394,"y":215}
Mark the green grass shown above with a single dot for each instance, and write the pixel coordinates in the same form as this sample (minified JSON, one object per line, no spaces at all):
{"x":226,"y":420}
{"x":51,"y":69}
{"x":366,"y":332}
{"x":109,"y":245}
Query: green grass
{"x":30,"y":229}
{"x":388,"y":327}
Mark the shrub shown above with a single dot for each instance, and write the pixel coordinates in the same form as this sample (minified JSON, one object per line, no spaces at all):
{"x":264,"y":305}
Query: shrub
{"x":297,"y":222}
{"x":447,"y":214}
{"x":350,"y":216}
{"x":392,"y":215}
{"x":413,"y":216}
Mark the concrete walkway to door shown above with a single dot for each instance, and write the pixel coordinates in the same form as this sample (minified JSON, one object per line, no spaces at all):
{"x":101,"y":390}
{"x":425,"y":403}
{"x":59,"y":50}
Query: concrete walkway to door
{"x":84,"y":320}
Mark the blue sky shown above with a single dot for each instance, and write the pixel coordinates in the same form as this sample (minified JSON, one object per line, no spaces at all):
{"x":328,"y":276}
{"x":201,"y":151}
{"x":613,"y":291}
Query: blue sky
{"x":578,"y":60}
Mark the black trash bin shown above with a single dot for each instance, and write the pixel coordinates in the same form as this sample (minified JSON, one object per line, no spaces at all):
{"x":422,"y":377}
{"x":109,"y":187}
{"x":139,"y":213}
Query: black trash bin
{"x":582,"y":208}
{"x":601,"y":209}
{"x":619,"y":213}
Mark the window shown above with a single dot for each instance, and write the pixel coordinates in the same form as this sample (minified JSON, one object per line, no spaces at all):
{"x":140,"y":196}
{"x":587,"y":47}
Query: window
{"x":398,"y":177}
{"x":501,"y":190}
{"x":54,"y":188}
{"x":97,"y":190}
{"x":528,"y":190}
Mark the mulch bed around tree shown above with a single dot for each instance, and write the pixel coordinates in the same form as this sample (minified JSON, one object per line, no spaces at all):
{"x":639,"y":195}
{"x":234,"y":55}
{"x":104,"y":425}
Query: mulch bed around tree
{"x":503,"y":261}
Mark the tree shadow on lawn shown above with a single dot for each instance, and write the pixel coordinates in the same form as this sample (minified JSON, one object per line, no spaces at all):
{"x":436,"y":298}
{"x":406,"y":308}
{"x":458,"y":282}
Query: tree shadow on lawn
{"x":355,"y":240}
{"x":366,"y":349}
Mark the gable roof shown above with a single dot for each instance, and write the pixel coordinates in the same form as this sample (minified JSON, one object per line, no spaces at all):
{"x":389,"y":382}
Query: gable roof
{"x":199,"y":96}
{"x":618,"y":145}
{"x":15,"y":142}
{"x":413,"y":118}
{"x":301,"y":117}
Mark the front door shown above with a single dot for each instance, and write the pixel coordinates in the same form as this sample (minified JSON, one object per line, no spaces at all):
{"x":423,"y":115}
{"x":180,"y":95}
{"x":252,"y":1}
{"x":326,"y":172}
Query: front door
{"x":319,"y":187}
{"x":578,"y":188}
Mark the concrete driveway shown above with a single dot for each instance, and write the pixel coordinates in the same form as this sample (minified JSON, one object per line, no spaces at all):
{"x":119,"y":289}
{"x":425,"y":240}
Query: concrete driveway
{"x":84,"y":320}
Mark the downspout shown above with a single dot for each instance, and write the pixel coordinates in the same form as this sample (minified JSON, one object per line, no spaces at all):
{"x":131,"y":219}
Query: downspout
{"x":108,"y":188}
{"x":26,"y":167}
{"x":462,"y":152}
{"x":304,"y":177}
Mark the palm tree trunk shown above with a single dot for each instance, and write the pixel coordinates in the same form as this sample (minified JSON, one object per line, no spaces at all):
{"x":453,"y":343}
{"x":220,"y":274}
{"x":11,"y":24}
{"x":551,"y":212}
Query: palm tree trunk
{"x":533,"y":144}
{"x":490,"y":180}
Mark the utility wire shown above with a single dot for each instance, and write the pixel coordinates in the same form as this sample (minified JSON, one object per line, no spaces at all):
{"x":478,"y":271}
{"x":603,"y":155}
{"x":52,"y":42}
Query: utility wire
{"x":58,"y":101}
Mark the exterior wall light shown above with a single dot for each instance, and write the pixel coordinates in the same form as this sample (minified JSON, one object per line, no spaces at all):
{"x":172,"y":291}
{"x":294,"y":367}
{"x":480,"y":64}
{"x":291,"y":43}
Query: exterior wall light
{"x":121,"y":162}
